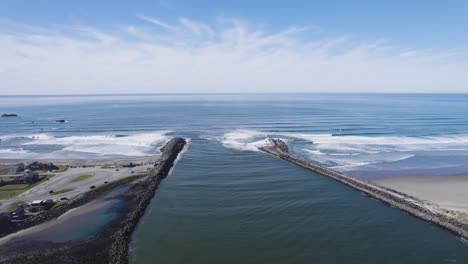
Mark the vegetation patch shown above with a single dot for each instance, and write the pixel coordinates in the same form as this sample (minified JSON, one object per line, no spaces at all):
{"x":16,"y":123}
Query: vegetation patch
{"x":463,"y":216}
{"x":12,"y":187}
{"x":121,"y":179}
{"x":82,"y":177}
{"x":12,"y":190}
{"x":4,"y":170}
{"x":61,"y":169}
{"x":13,"y":206}
{"x":64,"y":190}
{"x":59,"y":204}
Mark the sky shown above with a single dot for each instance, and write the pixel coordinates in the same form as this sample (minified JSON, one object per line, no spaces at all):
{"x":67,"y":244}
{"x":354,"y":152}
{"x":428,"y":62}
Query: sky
{"x":172,"y":46}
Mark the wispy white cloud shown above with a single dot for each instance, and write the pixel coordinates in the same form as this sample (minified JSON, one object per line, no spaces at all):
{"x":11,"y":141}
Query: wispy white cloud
{"x":226,"y":55}
{"x":157,"y":22}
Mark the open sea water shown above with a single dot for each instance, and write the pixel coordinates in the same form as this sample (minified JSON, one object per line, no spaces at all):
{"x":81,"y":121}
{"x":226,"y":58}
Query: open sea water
{"x":226,"y":202}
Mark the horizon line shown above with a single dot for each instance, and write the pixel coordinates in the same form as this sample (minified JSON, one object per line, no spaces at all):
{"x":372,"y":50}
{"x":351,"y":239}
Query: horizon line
{"x":230,"y":93}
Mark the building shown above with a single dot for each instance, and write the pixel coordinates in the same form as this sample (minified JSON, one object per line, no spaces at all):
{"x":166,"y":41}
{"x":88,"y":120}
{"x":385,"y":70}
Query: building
{"x":41,"y":205}
{"x":36,"y":202}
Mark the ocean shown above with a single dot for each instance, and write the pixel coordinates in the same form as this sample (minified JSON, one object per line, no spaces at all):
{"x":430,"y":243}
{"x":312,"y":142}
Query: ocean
{"x":226,"y":202}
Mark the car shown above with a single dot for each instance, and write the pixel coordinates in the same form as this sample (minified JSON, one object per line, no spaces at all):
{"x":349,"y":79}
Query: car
{"x":64,"y":199}
{"x":92,"y":187}
{"x":51,"y":191}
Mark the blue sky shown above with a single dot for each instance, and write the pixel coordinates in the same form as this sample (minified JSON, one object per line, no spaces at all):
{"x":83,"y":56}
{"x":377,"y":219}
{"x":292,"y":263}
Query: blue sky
{"x":233,"y":46}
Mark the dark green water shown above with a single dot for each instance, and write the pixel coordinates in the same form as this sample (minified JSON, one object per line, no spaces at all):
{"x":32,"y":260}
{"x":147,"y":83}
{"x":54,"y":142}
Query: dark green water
{"x":228,"y":206}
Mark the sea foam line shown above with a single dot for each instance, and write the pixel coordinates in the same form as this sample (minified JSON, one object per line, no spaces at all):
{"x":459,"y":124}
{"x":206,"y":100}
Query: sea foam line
{"x":346,"y":152}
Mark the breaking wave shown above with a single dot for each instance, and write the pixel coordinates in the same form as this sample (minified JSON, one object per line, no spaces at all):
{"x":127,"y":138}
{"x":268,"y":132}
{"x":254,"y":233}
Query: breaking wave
{"x":348,"y":152}
{"x":46,"y":145}
{"x":247,"y":140}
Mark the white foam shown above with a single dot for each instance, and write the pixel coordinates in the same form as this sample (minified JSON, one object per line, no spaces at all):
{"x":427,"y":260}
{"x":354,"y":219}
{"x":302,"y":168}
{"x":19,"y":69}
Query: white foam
{"x":17,"y":153}
{"x":139,"y":144}
{"x":13,"y":151}
{"x":368,"y":144}
{"x":348,"y":152}
{"x":246,"y":140}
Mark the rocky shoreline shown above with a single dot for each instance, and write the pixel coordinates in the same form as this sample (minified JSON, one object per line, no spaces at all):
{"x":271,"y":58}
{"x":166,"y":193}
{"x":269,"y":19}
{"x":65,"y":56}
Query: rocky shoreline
{"x":399,"y":200}
{"x":110,"y":245}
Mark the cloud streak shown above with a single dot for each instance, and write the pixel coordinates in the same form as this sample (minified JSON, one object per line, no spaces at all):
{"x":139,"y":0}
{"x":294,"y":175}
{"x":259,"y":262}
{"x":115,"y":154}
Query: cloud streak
{"x":227,"y":55}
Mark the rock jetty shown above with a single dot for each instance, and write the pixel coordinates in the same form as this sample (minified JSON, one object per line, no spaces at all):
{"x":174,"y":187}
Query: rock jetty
{"x":110,"y":245}
{"x":412,"y":205}
{"x":118,"y":252}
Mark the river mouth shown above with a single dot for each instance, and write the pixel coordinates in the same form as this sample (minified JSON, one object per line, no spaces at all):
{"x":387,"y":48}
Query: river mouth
{"x":223,"y":205}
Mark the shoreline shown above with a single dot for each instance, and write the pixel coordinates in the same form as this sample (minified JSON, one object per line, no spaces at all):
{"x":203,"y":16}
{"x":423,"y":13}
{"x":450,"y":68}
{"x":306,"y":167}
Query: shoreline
{"x":81,"y":161}
{"x":111,"y":244}
{"x":433,"y":188}
{"x":412,"y":205}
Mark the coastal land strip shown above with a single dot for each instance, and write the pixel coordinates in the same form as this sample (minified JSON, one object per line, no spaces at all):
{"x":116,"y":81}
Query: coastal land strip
{"x":415,"y":206}
{"x":69,"y":178}
{"x":110,"y":244}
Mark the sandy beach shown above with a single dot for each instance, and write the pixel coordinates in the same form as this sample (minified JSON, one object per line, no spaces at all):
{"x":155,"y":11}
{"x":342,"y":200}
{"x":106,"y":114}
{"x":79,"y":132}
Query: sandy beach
{"x":446,"y":191}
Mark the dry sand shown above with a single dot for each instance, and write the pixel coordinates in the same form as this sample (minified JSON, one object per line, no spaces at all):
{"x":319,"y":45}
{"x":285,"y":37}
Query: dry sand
{"x":447,"y":191}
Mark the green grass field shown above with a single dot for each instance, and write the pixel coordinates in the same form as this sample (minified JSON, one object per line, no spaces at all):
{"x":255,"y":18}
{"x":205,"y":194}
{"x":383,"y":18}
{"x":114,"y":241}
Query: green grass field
{"x":12,"y":187}
{"x":64,"y":190}
{"x":61,"y":169}
{"x":12,"y":190}
{"x":12,"y":206}
{"x":4,"y":170}
{"x":82,"y":177}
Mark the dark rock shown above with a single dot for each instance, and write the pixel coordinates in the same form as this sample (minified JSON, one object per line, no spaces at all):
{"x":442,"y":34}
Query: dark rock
{"x":9,"y":115}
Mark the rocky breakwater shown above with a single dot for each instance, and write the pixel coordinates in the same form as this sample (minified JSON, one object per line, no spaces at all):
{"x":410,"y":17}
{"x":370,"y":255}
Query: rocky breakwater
{"x":118,"y":252}
{"x":407,"y":203}
{"x":110,"y":245}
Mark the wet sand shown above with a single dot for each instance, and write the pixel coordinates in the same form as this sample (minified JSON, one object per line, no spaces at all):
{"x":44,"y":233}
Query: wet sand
{"x":447,"y":191}
{"x":33,"y":231}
